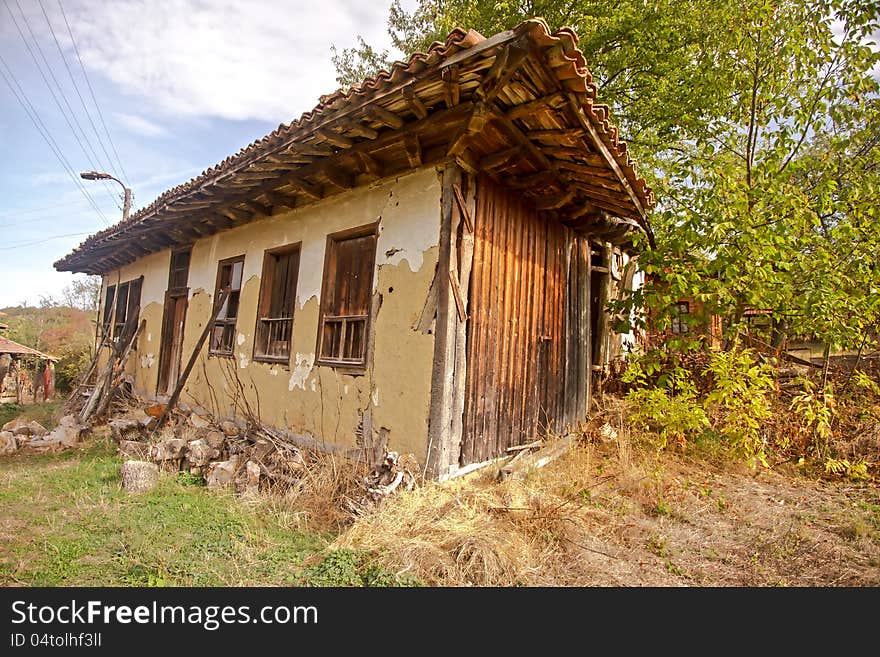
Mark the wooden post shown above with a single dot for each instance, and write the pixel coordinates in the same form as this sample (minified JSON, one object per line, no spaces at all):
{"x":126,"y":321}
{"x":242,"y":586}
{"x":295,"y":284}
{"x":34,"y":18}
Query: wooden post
{"x":582,"y":253}
{"x":464,"y":233}
{"x":447,"y":407}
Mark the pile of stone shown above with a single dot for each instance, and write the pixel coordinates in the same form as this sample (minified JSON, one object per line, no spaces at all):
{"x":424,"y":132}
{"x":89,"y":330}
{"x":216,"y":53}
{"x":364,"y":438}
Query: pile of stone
{"x":30,"y":436}
{"x":225,"y":454}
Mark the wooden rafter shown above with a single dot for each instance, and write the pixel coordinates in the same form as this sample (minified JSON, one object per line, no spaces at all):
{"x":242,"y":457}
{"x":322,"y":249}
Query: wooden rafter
{"x":525,"y":109}
{"x":384,"y":116}
{"x":451,"y":87}
{"x":413,"y":150}
{"x":415,"y":104}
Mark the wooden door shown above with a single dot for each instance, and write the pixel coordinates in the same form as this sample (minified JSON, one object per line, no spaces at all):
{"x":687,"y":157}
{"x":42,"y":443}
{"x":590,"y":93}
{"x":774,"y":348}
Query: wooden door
{"x":516,"y":347}
{"x":172,"y":342}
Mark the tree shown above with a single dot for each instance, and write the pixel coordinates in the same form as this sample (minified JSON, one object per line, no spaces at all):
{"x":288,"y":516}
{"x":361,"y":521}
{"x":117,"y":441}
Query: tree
{"x":756,"y":123}
{"x":83,"y":293}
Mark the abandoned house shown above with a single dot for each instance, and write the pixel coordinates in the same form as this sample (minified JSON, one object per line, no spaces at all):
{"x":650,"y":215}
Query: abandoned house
{"x":422,"y":260}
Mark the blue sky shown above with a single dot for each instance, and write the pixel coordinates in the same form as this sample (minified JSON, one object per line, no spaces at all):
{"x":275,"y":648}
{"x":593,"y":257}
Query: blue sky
{"x":181,"y":84}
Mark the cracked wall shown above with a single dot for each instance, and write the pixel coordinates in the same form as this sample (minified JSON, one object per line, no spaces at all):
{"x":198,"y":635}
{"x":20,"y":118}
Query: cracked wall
{"x":320,"y":402}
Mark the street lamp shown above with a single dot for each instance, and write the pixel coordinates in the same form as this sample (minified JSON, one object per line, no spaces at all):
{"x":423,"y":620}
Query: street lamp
{"x":98,"y":175}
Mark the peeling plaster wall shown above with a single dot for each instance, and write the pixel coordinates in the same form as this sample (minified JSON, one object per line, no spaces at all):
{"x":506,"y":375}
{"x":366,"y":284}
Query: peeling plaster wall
{"x":317,"y":401}
{"x":143,"y":364}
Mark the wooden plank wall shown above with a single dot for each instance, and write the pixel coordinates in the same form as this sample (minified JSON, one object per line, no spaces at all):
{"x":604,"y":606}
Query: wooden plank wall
{"x":528,"y":337}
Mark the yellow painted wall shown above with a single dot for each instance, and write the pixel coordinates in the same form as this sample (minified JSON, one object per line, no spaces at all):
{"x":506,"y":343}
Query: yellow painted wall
{"x":317,"y":401}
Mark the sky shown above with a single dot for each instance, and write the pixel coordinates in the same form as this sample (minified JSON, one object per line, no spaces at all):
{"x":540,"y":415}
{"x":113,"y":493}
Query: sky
{"x":178,"y":85}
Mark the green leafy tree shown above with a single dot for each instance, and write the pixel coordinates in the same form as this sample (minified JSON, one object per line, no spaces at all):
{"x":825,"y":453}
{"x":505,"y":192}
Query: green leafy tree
{"x":756,"y":123}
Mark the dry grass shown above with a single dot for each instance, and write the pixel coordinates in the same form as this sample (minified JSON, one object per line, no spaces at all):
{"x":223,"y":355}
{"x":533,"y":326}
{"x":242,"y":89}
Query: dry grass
{"x":317,"y":499}
{"x":623,"y":514}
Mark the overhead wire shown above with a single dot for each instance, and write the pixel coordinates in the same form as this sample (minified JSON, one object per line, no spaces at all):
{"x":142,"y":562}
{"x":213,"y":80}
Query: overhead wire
{"x":94,"y":100}
{"x":35,"y":118}
{"x":39,"y":241}
{"x":73,"y":131}
{"x":76,"y":89}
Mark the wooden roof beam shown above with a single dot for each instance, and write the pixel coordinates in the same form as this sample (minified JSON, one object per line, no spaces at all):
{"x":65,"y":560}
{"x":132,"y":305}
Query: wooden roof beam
{"x":478,"y":118}
{"x":555,"y":201}
{"x":413,"y":150}
{"x":414,"y":102}
{"x":506,"y":64}
{"x":451,"y":86}
{"x":500,"y":159}
{"x":604,"y":151}
{"x":368,"y":164}
{"x":306,"y":188}
{"x":358,"y":129}
{"x":523,"y":110}
{"x":277,"y":199}
{"x":385,"y":117}
{"x":338,"y":177}
{"x":335,"y":139}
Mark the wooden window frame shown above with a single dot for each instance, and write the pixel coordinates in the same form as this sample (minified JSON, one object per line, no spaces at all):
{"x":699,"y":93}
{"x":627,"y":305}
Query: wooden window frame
{"x":265,"y":300}
{"x":178,"y":289}
{"x":111,"y":325}
{"x":107,"y":313}
{"x":348,"y":365}
{"x":225,"y":321}
{"x":679,"y":325}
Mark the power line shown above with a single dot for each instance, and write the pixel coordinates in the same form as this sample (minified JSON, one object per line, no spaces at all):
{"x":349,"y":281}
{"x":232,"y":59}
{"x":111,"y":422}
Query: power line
{"x":94,"y":100}
{"x":34,"y":116}
{"x":16,"y":213}
{"x":52,"y":91}
{"x":40,"y":241}
{"x":75,"y":86}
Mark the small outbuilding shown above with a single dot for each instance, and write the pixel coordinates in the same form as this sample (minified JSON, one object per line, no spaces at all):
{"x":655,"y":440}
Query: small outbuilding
{"x":26,"y":375}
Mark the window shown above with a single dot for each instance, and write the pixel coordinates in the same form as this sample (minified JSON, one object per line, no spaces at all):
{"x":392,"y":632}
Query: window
{"x":178,"y":272}
{"x":108,"y":311}
{"x":277,"y":301}
{"x":679,"y":323}
{"x":229,"y":275}
{"x":345,"y":297}
{"x":122,"y":304}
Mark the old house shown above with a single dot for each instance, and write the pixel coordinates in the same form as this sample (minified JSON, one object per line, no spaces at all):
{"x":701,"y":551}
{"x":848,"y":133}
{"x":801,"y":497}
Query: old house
{"x":422,"y":260}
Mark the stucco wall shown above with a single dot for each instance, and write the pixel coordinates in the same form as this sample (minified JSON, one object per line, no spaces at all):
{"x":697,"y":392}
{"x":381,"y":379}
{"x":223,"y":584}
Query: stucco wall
{"x":317,"y":401}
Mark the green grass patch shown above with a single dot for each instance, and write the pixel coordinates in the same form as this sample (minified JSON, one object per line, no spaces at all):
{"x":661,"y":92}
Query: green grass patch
{"x":67,"y":522}
{"x":43,"y":412}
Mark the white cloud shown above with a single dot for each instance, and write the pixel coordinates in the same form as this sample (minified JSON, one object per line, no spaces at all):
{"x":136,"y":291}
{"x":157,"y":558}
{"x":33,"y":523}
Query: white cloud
{"x":262,"y":59}
{"x":140,"y":125}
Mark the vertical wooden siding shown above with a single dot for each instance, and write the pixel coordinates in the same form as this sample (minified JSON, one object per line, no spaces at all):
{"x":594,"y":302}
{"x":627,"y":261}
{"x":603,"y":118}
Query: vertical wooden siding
{"x":518,"y":325}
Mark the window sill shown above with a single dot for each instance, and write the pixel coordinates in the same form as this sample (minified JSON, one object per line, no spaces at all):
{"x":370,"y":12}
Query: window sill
{"x":221,"y":354}
{"x":354,"y":369}
{"x":269,"y":360}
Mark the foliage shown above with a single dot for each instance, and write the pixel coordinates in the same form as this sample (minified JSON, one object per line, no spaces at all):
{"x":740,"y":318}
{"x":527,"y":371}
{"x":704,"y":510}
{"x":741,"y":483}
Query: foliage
{"x":353,"y":568}
{"x":758,"y":125}
{"x":739,"y":403}
{"x":815,"y":410}
{"x":671,"y":409}
{"x":65,"y":332}
{"x":857,"y":471}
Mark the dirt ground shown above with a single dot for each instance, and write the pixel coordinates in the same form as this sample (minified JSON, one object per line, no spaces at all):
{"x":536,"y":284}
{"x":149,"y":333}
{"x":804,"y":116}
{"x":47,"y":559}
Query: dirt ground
{"x":611,"y":515}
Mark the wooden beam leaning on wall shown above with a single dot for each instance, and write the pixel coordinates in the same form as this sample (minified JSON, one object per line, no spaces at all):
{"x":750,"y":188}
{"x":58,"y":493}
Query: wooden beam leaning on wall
{"x":449,"y":373}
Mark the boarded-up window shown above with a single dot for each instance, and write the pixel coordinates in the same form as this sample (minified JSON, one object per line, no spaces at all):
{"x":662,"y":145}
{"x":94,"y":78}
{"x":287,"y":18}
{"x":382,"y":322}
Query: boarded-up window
{"x":345,"y":297}
{"x":679,"y":319}
{"x":277,"y":301}
{"x":127,"y":305}
{"x":229,"y":275}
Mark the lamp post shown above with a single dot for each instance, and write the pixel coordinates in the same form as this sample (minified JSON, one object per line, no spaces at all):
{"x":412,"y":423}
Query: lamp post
{"x":98,"y":175}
